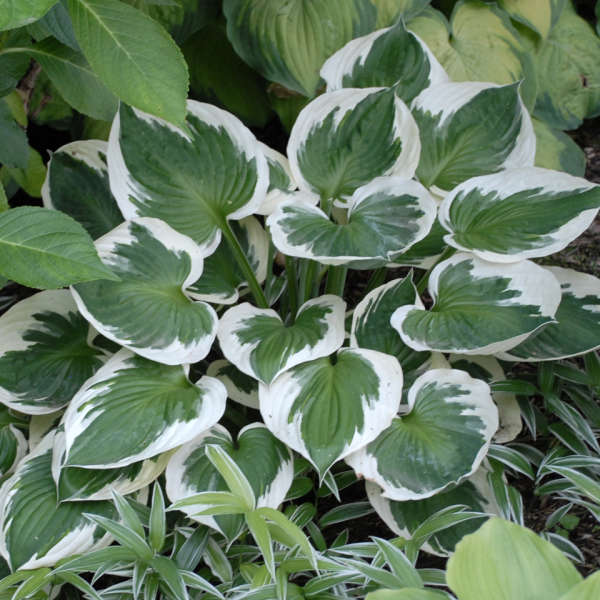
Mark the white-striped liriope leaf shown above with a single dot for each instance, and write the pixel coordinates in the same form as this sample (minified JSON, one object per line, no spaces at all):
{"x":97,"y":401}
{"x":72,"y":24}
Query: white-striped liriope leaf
{"x":241,"y":388}
{"x":222,"y":278}
{"x":386,"y":217}
{"x":288,"y":41}
{"x":258,"y":343}
{"x":13,"y":447}
{"x":480,"y":307}
{"x":371,"y":322}
{"x":442,"y":438}
{"x":193,"y":180}
{"x":263,"y":459}
{"x":578,"y":328}
{"x":45,"y":356}
{"x":134,"y":409}
{"x":148,"y":311}
{"x":470,"y":129}
{"x":424,"y":254}
{"x":519,"y":213}
{"x":36,"y":529}
{"x":392,"y":57}
{"x":281,"y":181}
{"x":325,"y":409}
{"x":344,"y":139}
{"x":81,"y":166}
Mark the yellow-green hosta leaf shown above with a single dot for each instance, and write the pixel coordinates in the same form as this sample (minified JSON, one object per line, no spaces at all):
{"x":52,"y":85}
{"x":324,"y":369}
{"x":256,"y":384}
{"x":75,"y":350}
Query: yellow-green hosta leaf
{"x":13,"y":447}
{"x":148,"y":310}
{"x":134,"y":409}
{"x":556,"y":150}
{"x":440,"y":440}
{"x":504,"y":561}
{"x":539,"y":15}
{"x":480,"y":307}
{"x":588,"y":589}
{"x":405,"y":594}
{"x":241,"y":388}
{"x":287,"y":41}
{"x":194,"y":179}
{"x":16,"y":13}
{"x":327,"y":409}
{"x":389,"y":11}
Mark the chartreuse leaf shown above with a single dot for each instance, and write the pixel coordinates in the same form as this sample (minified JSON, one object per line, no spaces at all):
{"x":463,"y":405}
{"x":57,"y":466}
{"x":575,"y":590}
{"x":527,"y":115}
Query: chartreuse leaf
{"x":343,"y":140}
{"x":259,"y":344}
{"x":168,"y":410}
{"x":384,"y":58}
{"x":45,"y":356}
{"x":469,"y":129}
{"x":539,"y":15}
{"x":47,"y":249}
{"x":405,"y":594}
{"x":16,"y":13}
{"x":538,"y":571}
{"x":115,"y":39}
{"x":190,"y":472}
{"x":37,"y":530}
{"x":442,"y":438}
{"x":281,"y":182}
{"x":578,"y":328}
{"x":13,"y":447}
{"x":148,"y":311}
{"x":480,"y":307}
{"x":588,"y":589}
{"x":288,"y":41}
{"x":82,"y":166}
{"x":389,"y":11}
{"x":386,"y":217}
{"x":556,"y":150}
{"x":192,"y":180}
{"x":522,"y":213}
{"x":325,"y":409}
{"x":241,"y":388}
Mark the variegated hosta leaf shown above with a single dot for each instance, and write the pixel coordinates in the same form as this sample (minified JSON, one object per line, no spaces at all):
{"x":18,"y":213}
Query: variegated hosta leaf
{"x":241,"y":388}
{"x":371,"y":322}
{"x":519,"y":213}
{"x":386,"y":217}
{"x":384,"y":58}
{"x":424,"y":254}
{"x":469,"y":129}
{"x":134,"y":409}
{"x":40,"y":425}
{"x":264,"y":460}
{"x":480,"y":307}
{"x":148,"y":311}
{"x":326,"y":409}
{"x":281,"y":181}
{"x":389,"y":11}
{"x":37,"y":530}
{"x":193,"y":180}
{"x":81,"y":166}
{"x":556,"y":150}
{"x":222,"y":278}
{"x":44,"y":353}
{"x":441,"y":440}
{"x":578,"y":328}
{"x":539,"y":15}
{"x":13,"y":447}
{"x":258,"y":343}
{"x":344,"y":139}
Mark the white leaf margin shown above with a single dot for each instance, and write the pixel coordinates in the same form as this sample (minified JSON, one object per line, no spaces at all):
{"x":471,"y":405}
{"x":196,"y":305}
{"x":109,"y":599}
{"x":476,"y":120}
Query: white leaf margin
{"x":233,"y":391}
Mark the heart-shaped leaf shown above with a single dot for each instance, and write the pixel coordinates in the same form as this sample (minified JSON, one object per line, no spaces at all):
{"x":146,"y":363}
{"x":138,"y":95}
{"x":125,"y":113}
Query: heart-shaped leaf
{"x":241,"y":388}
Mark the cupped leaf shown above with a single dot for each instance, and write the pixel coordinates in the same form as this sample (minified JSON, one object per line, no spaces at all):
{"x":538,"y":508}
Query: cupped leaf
{"x":386,"y":217}
{"x":13,"y":447}
{"x":441,"y":440}
{"x":148,"y":311}
{"x":259,"y":344}
{"x":480,"y":307}
{"x":519,"y":213}
{"x":469,"y":129}
{"x":45,"y":354}
{"x":281,"y":181}
{"x":325,"y":409}
{"x":16,"y":13}
{"x":134,"y":409}
{"x":287,"y":41}
{"x":538,"y":15}
{"x":241,"y":388}
{"x":344,"y":139}
{"x":82,"y":166}
{"x":556,"y":150}
{"x":192,"y":179}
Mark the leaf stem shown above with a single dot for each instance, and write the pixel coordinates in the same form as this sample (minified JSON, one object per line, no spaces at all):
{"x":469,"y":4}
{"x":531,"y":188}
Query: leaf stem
{"x":336,"y":280}
{"x":292,"y":285}
{"x":422,"y":283}
{"x":377,"y":278}
{"x":307,"y":278}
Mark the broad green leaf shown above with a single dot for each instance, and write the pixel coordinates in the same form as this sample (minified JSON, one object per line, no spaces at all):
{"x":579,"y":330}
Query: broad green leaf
{"x":343,"y":140}
{"x":148,"y":311}
{"x":556,"y":150}
{"x":287,"y":41}
{"x":538,"y":15}
{"x":241,"y":388}
{"x":82,"y":166}
{"x":440,"y":440}
{"x":384,"y":58}
{"x":13,"y":65}
{"x":58,"y":24}
{"x":281,"y":182}
{"x":16,"y":13}
{"x":588,"y":589}
{"x":4,"y":206}
{"x":47,"y":249}
{"x":389,"y":11}
{"x":31,"y":177}
{"x":479,"y":567}
{"x":480,"y":307}
{"x":259,"y":344}
{"x":37,"y":530}
{"x":405,"y":594}
{"x":115,"y":39}
{"x":469,"y":129}
{"x":192,"y":180}
{"x":13,"y":447}
{"x":168,"y":408}
{"x":386,"y":217}
{"x":327,"y":409}
{"x":14,"y":150}
{"x":519,"y":213}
